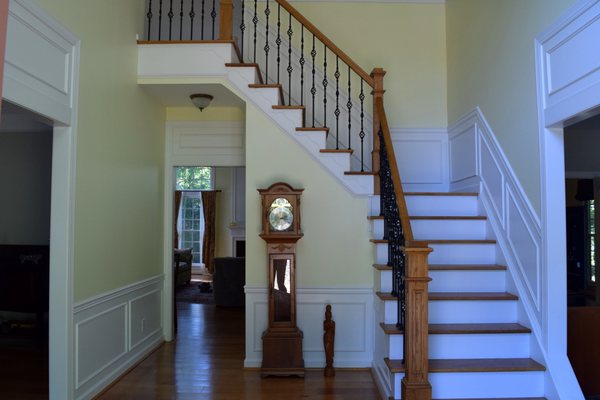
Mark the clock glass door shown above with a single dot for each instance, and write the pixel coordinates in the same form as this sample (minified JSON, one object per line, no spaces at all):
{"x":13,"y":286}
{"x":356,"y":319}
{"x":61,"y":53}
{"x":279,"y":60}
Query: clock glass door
{"x":282,"y":270}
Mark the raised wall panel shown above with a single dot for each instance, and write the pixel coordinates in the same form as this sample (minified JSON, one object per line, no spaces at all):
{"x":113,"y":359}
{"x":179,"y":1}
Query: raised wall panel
{"x":109,"y":338}
{"x":352,"y":311}
{"x":463,"y":153}
{"x":422,"y":158}
{"x":570,"y":87}
{"x":39,"y":59}
{"x":492,"y":179}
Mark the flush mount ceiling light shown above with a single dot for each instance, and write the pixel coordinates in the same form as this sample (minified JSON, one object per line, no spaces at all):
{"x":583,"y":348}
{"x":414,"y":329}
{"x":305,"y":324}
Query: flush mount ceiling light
{"x":201,"y":100}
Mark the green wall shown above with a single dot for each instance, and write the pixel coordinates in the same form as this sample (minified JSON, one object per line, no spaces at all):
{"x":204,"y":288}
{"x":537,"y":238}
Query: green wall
{"x":491,"y":64}
{"x":407,"y":40}
{"x":120,"y":151}
{"x":335,"y":250}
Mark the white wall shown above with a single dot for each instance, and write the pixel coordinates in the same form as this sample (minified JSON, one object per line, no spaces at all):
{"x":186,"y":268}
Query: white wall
{"x":25,"y":176}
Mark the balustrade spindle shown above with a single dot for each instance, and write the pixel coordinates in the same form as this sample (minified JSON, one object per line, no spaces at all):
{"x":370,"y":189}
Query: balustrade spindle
{"x":213,"y":15}
{"x":149,"y":16}
{"x":290,"y":32}
{"x":192,"y":15}
{"x":170,"y":15}
{"x":160,"y":4}
{"x":361,"y":135}
{"x":242,"y":29}
{"x":313,"y":89}
{"x":325,"y":85}
{"x":202,"y":13}
{"x":349,"y":106}
{"x":267,"y":48}
{"x":181,"y":21}
{"x":278,"y":40}
{"x":255,"y":22}
{"x":302,"y":61}
{"x":337,"y":102}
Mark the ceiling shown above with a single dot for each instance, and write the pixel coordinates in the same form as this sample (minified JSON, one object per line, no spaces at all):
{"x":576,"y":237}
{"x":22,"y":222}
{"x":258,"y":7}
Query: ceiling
{"x":178,"y":95}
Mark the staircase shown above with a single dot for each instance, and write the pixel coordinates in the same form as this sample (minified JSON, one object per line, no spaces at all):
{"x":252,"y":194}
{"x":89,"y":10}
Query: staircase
{"x":477,"y":349}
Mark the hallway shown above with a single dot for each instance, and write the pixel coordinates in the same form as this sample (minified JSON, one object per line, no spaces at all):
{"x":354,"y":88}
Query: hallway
{"x":206,"y":362}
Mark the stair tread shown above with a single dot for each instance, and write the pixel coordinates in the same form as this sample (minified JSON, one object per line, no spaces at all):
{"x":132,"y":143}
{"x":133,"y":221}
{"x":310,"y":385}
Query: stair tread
{"x":474,"y":365}
{"x":241,"y":65}
{"x":265,"y":85}
{"x":334,"y":151}
{"x":441,"y":194}
{"x":316,"y":129}
{"x":452,"y":267}
{"x":437,"y":217}
{"x":446,"y":329}
{"x":433,"y":296}
{"x":360,"y":173}
{"x":502,"y":398}
{"x":284,"y":107}
{"x":444,"y":241}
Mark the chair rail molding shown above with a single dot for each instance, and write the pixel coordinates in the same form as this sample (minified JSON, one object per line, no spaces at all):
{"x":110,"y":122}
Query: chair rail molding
{"x":567,"y":91}
{"x":352,"y":310}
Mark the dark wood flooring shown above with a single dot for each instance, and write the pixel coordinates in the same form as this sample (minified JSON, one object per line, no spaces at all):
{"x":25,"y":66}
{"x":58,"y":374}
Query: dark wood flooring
{"x":23,"y":367}
{"x":206,"y":362}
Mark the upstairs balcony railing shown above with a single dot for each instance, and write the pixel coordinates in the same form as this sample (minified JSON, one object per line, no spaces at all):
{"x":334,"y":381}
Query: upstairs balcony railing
{"x":314,"y":74}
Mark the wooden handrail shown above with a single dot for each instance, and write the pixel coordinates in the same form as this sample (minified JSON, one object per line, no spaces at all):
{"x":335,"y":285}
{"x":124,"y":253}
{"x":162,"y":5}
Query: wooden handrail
{"x":399,"y":191}
{"x":325,"y":40}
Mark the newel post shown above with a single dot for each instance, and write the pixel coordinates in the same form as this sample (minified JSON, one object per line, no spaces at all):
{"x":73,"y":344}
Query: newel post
{"x":226,"y":20}
{"x":377,"y":74}
{"x":415,"y":385}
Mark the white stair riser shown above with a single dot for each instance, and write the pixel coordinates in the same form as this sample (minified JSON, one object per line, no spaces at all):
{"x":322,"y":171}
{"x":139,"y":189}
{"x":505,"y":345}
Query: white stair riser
{"x":463,"y":385}
{"x":449,"y":229}
{"x":269,"y":95}
{"x":463,"y":254}
{"x":449,"y":253}
{"x":383,"y":281}
{"x":514,"y":345}
{"x":461,"y":311}
{"x":247,"y":74}
{"x":442,"y":205}
{"x":374,"y":204}
{"x":376,"y":228}
{"x":467,"y":281}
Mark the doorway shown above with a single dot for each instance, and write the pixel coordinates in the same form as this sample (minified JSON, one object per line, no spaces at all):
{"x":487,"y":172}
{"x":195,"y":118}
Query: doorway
{"x":26,"y":141}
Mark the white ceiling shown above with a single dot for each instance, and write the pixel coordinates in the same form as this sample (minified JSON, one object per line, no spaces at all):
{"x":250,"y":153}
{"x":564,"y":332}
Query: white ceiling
{"x":178,"y":95}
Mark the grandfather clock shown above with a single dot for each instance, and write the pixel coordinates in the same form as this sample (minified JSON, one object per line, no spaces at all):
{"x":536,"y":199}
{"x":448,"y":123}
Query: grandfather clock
{"x":282,"y":341}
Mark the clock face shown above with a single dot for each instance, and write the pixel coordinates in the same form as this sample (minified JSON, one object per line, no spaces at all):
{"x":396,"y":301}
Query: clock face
{"x":280,"y":214}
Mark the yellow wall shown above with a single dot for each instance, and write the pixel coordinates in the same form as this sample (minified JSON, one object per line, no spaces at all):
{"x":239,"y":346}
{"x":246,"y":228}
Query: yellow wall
{"x":407,"y":40}
{"x":491,"y":65}
{"x":120,"y":151}
{"x":335,"y":249}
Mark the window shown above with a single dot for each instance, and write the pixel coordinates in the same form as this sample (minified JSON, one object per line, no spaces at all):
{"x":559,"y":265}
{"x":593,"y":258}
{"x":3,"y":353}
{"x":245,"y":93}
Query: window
{"x":190,"y":223}
{"x":590,"y":238}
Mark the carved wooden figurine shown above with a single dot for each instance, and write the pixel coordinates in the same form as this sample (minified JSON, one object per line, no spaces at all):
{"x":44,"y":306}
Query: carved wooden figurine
{"x":328,"y":341}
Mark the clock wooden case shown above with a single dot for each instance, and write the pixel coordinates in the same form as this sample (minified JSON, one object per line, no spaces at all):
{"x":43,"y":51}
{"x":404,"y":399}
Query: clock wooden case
{"x":282,"y":341}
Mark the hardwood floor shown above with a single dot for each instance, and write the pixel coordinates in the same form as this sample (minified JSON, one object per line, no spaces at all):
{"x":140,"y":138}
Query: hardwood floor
{"x":206,"y":362}
{"x":23,"y":368}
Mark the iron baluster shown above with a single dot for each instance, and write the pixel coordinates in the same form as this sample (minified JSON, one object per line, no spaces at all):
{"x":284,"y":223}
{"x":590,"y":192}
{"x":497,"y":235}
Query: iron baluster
{"x":337,"y":102}
{"x":202,"y":20}
{"x":361,"y":135}
{"x":313,"y":89}
{"x":255,"y":21}
{"x":302,"y":61}
{"x":290,"y":32}
{"x":160,"y":18}
{"x":278,"y":40}
{"x":192,"y":15}
{"x":349,"y":106}
{"x":181,"y":21}
{"x":213,"y":16}
{"x":149,"y":16}
{"x":170,"y":15}
{"x":242,"y":29}
{"x":267,"y":48}
{"x":325,"y":85}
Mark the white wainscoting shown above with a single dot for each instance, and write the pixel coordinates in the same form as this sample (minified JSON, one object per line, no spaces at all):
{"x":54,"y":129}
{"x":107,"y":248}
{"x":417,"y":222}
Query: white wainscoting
{"x":352,"y":311}
{"x":422,"y":157}
{"x":569,"y":63}
{"x":207,"y":142}
{"x":39,"y":63}
{"x":113,"y":331}
{"x":477,"y":161}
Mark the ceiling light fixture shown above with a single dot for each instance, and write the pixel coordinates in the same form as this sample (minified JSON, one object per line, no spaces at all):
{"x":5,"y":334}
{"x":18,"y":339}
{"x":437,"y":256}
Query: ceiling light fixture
{"x":201,"y":100}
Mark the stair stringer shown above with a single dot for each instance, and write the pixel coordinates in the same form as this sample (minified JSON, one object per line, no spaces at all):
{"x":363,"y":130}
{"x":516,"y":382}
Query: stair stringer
{"x":194,"y":63}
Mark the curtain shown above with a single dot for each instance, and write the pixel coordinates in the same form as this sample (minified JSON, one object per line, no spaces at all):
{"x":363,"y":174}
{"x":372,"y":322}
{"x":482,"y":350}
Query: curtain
{"x":176,"y":219}
{"x":209,"y":208}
